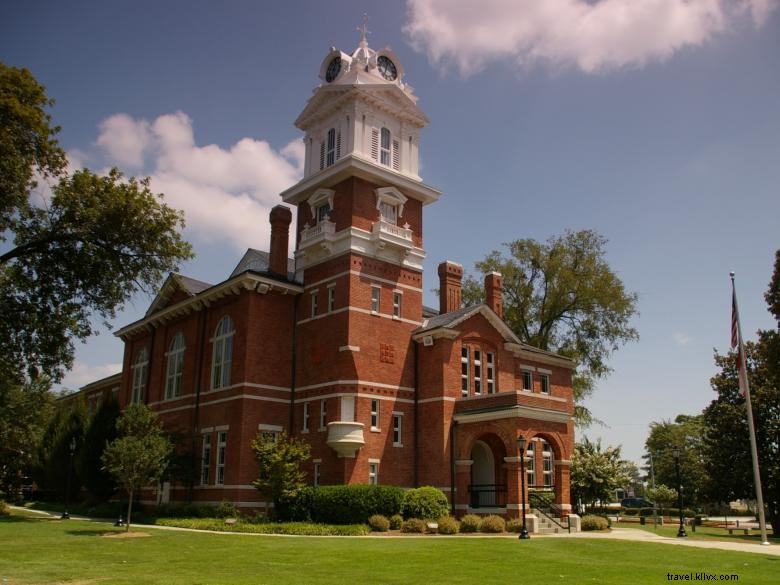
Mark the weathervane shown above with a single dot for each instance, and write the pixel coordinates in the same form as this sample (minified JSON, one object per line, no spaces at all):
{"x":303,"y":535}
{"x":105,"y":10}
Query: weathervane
{"x":363,"y":30}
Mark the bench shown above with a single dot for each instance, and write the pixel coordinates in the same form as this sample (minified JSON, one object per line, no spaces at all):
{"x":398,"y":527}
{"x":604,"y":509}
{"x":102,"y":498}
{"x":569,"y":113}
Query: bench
{"x":745,"y":531}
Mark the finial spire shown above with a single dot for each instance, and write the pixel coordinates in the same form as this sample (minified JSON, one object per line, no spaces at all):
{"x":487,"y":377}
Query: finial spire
{"x":363,"y":30}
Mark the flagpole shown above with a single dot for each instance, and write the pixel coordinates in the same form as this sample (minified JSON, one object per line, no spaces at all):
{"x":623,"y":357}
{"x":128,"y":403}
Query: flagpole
{"x":743,"y":378}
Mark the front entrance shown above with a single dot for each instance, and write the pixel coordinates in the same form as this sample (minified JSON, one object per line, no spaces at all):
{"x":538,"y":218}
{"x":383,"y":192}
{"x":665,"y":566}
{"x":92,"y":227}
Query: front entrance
{"x":485,"y":490}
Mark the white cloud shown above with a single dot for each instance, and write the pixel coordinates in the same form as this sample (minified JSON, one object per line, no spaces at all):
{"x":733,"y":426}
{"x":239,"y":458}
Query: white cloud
{"x":224,"y":193}
{"x":82,"y":374}
{"x":125,"y":140}
{"x":681,"y":339}
{"x":594,"y":36}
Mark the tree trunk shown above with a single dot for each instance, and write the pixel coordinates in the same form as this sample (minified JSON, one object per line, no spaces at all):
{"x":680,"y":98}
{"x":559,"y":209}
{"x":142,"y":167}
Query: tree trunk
{"x":129,"y":510}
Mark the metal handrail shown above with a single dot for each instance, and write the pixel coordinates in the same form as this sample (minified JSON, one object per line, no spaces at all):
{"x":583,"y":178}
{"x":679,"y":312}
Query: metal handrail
{"x":496,"y":494}
{"x":547,"y":509}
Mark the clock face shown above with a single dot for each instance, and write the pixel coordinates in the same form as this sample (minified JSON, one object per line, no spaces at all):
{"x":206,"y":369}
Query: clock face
{"x":387,"y":68}
{"x":333,"y":69}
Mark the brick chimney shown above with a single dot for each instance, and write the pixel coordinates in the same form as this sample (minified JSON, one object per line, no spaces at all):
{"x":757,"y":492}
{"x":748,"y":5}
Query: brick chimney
{"x":450,"y":275}
{"x":280,"y":217}
{"x":494,"y":286}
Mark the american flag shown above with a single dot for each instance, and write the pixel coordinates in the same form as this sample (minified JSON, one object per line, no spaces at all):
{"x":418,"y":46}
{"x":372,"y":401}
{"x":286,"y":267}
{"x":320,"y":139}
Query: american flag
{"x":736,"y":343}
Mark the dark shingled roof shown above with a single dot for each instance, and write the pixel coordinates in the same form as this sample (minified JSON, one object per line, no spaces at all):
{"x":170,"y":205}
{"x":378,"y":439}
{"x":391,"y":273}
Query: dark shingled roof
{"x":446,"y":319}
{"x":193,"y":286}
{"x":258,"y":261}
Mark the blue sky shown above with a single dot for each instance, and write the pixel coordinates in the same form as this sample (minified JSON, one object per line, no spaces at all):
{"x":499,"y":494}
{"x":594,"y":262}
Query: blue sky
{"x":654,"y":122}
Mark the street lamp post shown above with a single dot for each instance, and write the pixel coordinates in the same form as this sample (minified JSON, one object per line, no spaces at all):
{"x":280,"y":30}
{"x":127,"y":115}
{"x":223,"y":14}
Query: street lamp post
{"x":521,"y":446}
{"x":65,"y":514}
{"x":681,"y":532}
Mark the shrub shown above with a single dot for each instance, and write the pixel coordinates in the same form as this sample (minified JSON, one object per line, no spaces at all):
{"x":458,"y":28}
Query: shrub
{"x":414,"y":526}
{"x":395,"y":521}
{"x":425,"y":502}
{"x":226,"y":510}
{"x":354,"y":504}
{"x":5,"y":509}
{"x":630,"y":511}
{"x":448,"y":525}
{"x":470,"y":523}
{"x":379,"y":523}
{"x":295,"y":508}
{"x":493,"y":524}
{"x":515,"y":525}
{"x":182,"y":510}
{"x":591,"y":522}
{"x":293,"y":528}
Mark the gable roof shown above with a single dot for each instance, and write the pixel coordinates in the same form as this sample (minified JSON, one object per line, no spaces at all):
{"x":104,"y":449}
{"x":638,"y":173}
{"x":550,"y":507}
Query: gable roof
{"x":176,"y":282}
{"x":446,"y":325}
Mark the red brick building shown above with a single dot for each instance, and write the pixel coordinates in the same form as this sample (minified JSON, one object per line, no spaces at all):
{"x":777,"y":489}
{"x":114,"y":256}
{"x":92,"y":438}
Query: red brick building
{"x":335,"y":345}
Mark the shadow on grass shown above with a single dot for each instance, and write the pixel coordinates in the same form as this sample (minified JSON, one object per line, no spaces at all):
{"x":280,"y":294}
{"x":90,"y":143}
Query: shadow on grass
{"x":89,"y":532}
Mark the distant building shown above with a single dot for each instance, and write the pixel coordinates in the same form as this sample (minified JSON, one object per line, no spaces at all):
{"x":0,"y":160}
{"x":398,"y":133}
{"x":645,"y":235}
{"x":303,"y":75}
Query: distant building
{"x":335,"y":345}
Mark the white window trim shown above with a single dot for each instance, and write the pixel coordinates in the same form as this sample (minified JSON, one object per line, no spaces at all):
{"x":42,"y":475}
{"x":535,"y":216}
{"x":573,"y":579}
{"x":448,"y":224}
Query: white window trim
{"x":175,"y":367}
{"x":490,"y":372}
{"x":398,"y":417}
{"x":373,"y":471}
{"x":374,"y":416}
{"x":544,"y":380}
{"x":140,"y":374}
{"x":219,"y":468}
{"x":376,"y":303}
{"x":205,"y":461}
{"x":465,"y":378}
{"x":323,"y":414}
{"x":390,"y":196}
{"x":530,"y":375}
{"x":314,"y":301}
{"x":397,"y":306}
{"x":319,"y":197}
{"x":331,"y":297}
{"x":221,"y":341}
{"x":306,"y":414}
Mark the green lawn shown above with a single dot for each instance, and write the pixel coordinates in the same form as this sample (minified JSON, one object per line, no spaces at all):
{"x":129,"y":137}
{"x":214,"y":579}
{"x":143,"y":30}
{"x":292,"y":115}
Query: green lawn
{"x":46,"y":551}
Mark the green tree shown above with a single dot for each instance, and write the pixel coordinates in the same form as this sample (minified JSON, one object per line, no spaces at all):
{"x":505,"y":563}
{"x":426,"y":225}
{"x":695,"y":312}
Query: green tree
{"x":688,"y":434}
{"x":28,"y":146}
{"x":77,"y":257}
{"x":280,"y":459}
{"x":25,"y":410}
{"x":596,"y":473}
{"x":52,"y":463}
{"x":727,"y":447}
{"x":138,"y":456}
{"x":101,"y":430}
{"x":562,"y":295}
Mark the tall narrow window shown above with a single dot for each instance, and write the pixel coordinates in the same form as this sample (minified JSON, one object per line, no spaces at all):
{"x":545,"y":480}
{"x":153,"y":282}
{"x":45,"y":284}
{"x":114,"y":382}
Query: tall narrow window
{"x":527,"y":381}
{"x":397,"y":304}
{"x":490,"y":372}
{"x":373,"y":473}
{"x":397,"y":436}
{"x":314,"y":303}
{"x":375,"y":297}
{"x":222,"y":357}
{"x":330,"y":152}
{"x":374,"y":415}
{"x":384,"y":147}
{"x":305,"y":417}
{"x":464,"y":371}
{"x":331,"y":298}
{"x":205,"y":460}
{"x":323,"y":414}
{"x":530,"y":465}
{"x":175,"y":367}
{"x":221,"y":449}
{"x":544,"y":383}
{"x":388,"y":212}
{"x":477,"y":371}
{"x":317,"y":476}
{"x":547,"y":464}
{"x":139,"y":371}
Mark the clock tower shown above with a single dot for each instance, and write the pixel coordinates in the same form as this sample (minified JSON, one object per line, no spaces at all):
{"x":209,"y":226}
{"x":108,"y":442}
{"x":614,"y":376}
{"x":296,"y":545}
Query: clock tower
{"x":359,"y":254}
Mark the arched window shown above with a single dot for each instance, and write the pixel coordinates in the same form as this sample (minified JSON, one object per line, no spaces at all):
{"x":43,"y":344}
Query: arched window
{"x":384,"y":150}
{"x":139,"y":372}
{"x":223,"y":353}
{"x":175,"y":367}
{"x":547,"y":464}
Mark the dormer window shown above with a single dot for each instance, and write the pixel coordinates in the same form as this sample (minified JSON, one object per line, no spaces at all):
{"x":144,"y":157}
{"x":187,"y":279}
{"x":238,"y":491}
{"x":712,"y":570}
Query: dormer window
{"x":390,"y":203}
{"x":321,"y":204}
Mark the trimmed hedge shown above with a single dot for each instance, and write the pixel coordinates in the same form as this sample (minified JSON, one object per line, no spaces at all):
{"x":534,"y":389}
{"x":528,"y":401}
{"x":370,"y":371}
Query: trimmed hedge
{"x":291,"y":528}
{"x":428,"y":503}
{"x":492,"y":524}
{"x":594,"y":523}
{"x":514,"y":525}
{"x":414,"y":526}
{"x":354,"y":504}
{"x":470,"y":523}
{"x":379,"y":523}
{"x":395,"y":521}
{"x":448,"y":525}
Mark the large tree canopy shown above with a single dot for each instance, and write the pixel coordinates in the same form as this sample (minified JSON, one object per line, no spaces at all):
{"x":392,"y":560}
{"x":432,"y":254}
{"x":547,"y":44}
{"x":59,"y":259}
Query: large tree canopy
{"x":82,"y":254}
{"x":596,"y":473}
{"x":562,"y":295}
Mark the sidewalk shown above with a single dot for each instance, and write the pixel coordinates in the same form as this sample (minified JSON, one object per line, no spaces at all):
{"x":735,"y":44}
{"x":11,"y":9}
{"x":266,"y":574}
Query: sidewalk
{"x":644,"y":536}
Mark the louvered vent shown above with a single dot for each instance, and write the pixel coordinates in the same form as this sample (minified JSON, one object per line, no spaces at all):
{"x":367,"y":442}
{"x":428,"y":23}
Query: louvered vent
{"x":396,"y":155}
{"x":375,"y":144}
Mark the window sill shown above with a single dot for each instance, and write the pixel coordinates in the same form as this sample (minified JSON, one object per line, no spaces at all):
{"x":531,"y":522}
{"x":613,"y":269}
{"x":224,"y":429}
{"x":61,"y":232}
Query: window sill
{"x":375,"y":430}
{"x":398,"y":444}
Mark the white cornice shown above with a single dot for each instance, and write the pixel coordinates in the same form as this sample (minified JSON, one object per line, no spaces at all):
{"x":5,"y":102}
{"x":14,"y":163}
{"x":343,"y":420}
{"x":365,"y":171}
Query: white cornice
{"x":516,"y":411}
{"x":234,"y":286}
{"x":357,"y":166}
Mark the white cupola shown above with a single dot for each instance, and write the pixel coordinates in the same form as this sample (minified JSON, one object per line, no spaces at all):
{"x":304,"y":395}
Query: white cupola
{"x":363,"y":109}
